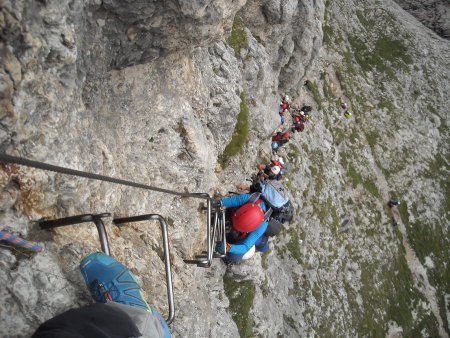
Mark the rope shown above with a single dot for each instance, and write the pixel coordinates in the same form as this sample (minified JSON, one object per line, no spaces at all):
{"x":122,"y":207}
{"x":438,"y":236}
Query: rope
{"x":6,"y":236}
{"x":49,"y":167}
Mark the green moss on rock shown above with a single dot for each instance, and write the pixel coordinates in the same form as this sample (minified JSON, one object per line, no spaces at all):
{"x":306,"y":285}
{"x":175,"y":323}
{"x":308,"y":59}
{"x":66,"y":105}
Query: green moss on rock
{"x":241,"y":294}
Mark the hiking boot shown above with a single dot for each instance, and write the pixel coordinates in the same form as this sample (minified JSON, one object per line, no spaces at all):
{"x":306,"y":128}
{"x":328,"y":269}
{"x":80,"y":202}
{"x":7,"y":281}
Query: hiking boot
{"x":109,"y":280}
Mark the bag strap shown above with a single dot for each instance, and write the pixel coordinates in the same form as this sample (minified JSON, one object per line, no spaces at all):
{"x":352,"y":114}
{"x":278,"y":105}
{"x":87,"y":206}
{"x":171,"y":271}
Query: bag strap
{"x":257,"y":198}
{"x":254,"y":197}
{"x":268,"y":214}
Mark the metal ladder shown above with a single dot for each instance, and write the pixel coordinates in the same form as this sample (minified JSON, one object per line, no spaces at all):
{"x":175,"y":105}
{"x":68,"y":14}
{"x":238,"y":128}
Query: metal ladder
{"x":103,"y":237}
{"x":215,"y":232}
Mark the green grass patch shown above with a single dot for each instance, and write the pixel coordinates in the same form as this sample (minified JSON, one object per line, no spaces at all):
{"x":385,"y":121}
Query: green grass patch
{"x":354,"y":175}
{"x":432,"y":109}
{"x":386,"y":54}
{"x":314,"y":89}
{"x":293,"y":155}
{"x":290,"y":322}
{"x":385,"y":103}
{"x":240,"y":134}
{"x":371,"y":187}
{"x":430,"y":239}
{"x":328,"y":34}
{"x":363,"y":20}
{"x":317,"y":160}
{"x":241,"y":294}
{"x":327,"y":92}
{"x":356,"y":178}
{"x":293,"y":246}
{"x":393,"y":50}
{"x":238,"y":38}
{"x":388,"y":294}
{"x":297,"y":289}
{"x":338,"y":135}
{"x":264,"y":259}
{"x":265,"y":287}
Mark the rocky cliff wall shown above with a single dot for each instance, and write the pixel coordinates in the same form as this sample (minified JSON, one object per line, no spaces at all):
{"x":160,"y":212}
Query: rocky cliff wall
{"x":151,"y":92}
{"x":433,"y":14}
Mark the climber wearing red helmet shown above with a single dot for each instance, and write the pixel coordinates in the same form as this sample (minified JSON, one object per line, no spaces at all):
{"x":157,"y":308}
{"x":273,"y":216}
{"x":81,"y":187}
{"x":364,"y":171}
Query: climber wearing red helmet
{"x":248,"y":225}
{"x":281,"y":136}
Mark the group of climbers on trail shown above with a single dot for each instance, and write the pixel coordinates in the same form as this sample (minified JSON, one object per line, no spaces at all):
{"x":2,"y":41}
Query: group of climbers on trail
{"x":256,"y":216}
{"x":298,"y":116}
{"x":343,"y":105}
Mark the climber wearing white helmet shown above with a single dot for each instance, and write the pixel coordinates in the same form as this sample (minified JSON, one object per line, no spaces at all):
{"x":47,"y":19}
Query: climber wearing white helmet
{"x":269,"y":172}
{"x":275,"y":170}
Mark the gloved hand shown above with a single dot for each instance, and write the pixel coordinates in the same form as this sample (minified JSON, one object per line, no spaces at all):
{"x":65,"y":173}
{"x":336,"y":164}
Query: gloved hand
{"x":220,"y":247}
{"x":216,"y":203}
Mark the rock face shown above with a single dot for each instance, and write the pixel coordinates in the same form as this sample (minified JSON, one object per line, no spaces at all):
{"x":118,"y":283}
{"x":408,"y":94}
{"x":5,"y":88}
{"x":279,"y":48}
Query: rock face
{"x":151,"y":92}
{"x":433,"y":14}
{"x":138,"y":32}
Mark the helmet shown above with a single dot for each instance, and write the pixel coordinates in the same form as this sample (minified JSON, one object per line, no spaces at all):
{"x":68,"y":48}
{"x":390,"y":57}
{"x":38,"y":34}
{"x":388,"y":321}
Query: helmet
{"x":286,"y":135}
{"x":247,"y":218}
{"x":280,"y":159}
{"x":275,"y":169}
{"x":286,"y":98}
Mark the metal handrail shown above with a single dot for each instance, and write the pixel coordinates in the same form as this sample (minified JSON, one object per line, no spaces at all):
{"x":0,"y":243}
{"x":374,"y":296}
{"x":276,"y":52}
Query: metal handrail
{"x":165,"y":237}
{"x":68,"y":171}
{"x":96,"y":219}
{"x":214,"y":232}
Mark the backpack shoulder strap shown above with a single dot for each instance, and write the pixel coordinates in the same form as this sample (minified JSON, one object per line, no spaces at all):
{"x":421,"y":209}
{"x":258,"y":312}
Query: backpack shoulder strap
{"x":254,"y":197}
{"x":268,"y":214}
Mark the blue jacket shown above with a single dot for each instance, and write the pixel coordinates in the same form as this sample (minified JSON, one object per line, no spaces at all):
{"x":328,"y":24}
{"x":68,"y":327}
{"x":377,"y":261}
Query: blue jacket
{"x":235,"y":202}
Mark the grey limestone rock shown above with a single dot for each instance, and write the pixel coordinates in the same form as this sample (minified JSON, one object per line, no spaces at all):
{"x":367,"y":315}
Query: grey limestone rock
{"x":150,"y":91}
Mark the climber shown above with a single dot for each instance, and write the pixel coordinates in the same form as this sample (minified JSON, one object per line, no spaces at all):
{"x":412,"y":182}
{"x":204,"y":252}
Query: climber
{"x":120,"y":309}
{"x":299,"y":122}
{"x":281,"y":136}
{"x":302,"y":115}
{"x":393,"y":203}
{"x":285,"y":104}
{"x":275,"y":196}
{"x":282,"y":118}
{"x":269,"y":172}
{"x":306,"y":109}
{"x":342,"y":104}
{"x":298,"y":126}
{"x":279,"y":140}
{"x":394,"y":212}
{"x":277,"y":161}
{"x":277,"y":144}
{"x":248,"y":225}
